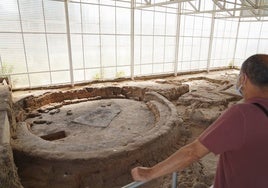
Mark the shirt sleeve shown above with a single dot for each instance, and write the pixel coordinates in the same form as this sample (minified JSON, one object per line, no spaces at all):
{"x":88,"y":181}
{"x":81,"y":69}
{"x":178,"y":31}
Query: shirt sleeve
{"x":227,"y":133}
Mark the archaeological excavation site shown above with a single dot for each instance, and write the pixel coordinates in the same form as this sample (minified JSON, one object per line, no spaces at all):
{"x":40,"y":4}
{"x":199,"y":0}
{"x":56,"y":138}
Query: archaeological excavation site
{"x":93,"y":135}
{"x":93,"y":91}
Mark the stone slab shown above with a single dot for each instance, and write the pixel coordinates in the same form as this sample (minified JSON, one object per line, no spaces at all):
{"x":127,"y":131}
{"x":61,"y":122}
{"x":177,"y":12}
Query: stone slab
{"x":99,"y":117}
{"x":4,"y":128}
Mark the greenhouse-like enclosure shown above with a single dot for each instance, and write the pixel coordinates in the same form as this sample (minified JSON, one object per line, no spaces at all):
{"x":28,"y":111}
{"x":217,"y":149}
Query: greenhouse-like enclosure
{"x":50,"y":42}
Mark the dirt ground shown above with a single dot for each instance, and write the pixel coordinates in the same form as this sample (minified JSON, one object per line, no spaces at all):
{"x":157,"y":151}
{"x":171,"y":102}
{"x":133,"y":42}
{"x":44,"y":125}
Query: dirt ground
{"x":209,"y":95}
{"x":91,"y":128}
{"x":208,"y":98}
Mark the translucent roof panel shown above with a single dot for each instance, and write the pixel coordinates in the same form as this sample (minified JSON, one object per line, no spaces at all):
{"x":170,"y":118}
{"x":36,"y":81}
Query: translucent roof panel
{"x":50,"y":42}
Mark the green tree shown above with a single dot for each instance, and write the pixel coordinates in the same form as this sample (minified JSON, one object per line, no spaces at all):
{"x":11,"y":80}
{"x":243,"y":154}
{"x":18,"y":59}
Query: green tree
{"x":6,"y":69}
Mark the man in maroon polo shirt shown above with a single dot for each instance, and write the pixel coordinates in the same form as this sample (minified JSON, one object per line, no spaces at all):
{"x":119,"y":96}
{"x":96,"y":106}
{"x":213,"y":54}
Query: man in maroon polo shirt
{"x":239,"y":136}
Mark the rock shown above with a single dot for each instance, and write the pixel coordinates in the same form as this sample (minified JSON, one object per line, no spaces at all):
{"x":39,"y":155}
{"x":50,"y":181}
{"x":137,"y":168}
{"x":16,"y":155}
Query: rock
{"x":27,"y":110}
{"x":205,"y":98}
{"x":120,"y":96}
{"x":43,"y":110}
{"x":185,"y":132}
{"x":135,"y":98}
{"x":57,"y":105}
{"x":33,"y":115}
{"x":66,"y":102}
{"x":20,"y":116}
{"x":48,"y":122}
{"x":200,"y":185}
{"x":183,"y":185}
{"x":161,"y":81}
{"x":40,"y":121}
{"x":205,"y":116}
{"x":208,"y":179}
{"x":197,"y":115}
{"x":69,"y":112}
{"x":50,"y":107}
{"x":54,"y":111}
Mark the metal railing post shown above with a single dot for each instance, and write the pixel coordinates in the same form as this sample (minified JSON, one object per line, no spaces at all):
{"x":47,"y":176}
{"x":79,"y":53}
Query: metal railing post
{"x":174,"y":179}
{"x":139,"y":183}
{"x":134,"y":184}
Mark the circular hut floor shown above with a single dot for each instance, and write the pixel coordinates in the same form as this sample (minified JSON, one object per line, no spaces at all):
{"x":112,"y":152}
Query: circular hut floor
{"x":96,"y":125}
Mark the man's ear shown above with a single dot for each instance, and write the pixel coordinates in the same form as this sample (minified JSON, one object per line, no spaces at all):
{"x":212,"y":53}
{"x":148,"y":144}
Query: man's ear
{"x":244,"y":79}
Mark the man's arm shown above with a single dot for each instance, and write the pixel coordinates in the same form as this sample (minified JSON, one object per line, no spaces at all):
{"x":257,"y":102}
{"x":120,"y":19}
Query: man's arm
{"x":177,"y":161}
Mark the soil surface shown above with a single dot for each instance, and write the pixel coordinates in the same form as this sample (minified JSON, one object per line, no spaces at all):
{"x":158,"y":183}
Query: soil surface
{"x":209,"y":96}
{"x":117,"y":122}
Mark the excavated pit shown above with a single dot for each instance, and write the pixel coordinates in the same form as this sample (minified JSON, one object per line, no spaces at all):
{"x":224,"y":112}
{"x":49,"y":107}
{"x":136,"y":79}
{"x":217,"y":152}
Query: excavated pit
{"x":92,"y":137}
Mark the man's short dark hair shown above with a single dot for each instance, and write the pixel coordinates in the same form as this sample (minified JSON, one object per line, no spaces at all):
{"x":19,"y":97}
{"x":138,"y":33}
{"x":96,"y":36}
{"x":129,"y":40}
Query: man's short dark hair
{"x":256,"y":69}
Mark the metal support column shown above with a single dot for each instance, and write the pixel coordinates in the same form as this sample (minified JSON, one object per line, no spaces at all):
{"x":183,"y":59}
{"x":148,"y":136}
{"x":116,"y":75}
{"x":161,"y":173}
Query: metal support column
{"x":211,"y":37}
{"x":237,"y":31}
{"x":1,"y":63}
{"x":69,"y":42}
{"x":82,"y":35}
{"x":258,"y":46}
{"x":24,"y":47}
{"x":47,"y":48}
{"x":100,"y":38}
{"x":132,"y":41}
{"x":177,"y":40}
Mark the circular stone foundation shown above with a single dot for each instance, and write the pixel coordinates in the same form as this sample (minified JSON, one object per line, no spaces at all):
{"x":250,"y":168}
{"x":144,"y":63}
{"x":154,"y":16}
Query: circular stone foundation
{"x":95,"y":125}
{"x":94,"y":143}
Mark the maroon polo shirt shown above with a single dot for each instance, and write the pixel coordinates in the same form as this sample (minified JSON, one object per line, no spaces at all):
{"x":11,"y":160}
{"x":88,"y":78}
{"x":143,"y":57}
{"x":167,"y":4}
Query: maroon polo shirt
{"x":240,"y":136}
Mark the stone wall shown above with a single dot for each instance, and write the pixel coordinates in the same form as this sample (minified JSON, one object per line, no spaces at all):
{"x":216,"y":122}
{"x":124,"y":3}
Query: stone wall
{"x":8,"y":170}
{"x":61,"y":167}
{"x":59,"y":98}
{"x":101,"y":169}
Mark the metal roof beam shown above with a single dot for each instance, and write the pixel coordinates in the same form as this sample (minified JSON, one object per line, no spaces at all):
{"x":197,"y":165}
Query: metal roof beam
{"x":218,"y":11}
{"x":250,"y":3}
{"x":161,"y":3}
{"x":230,"y":2}
{"x":221,"y":7}
{"x":148,"y":2}
{"x":263,"y":16}
{"x":192,"y":5}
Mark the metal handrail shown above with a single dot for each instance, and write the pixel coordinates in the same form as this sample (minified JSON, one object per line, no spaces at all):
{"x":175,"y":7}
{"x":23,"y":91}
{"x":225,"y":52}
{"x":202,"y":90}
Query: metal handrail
{"x":139,"y":183}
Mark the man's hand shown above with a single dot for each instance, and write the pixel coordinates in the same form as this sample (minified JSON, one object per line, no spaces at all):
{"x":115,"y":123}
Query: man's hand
{"x":142,"y":174}
{"x":177,"y":161}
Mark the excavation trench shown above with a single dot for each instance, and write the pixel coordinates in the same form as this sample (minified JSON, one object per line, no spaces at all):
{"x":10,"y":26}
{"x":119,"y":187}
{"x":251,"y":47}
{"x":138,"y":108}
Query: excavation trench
{"x":93,"y":140}
{"x":92,"y":136}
